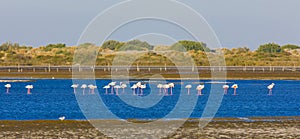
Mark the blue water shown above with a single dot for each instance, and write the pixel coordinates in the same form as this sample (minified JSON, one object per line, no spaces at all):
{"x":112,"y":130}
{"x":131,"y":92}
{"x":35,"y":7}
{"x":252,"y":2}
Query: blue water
{"x":51,"y":99}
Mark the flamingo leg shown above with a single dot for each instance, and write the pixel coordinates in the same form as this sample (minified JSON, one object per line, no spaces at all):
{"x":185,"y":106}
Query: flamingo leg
{"x":270,"y":92}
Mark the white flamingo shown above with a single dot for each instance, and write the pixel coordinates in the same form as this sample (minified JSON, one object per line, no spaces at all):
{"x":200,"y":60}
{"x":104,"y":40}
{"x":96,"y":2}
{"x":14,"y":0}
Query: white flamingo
{"x":83,"y":86}
{"x":171,"y":85}
{"x":92,"y":88}
{"x":106,"y":87}
{"x":117,"y":87}
{"x":160,"y":86}
{"x":235,"y":86}
{"x":123,"y":86}
{"x":188,"y":87}
{"x":62,"y":118}
{"x":270,"y":87}
{"x":138,"y":84}
{"x":143,"y":87}
{"x":7,"y":88}
{"x":112,"y":84}
{"x":166,"y":88}
{"x":29,"y":87}
{"x":225,"y":87}
{"x":134,"y":87}
{"x":199,"y":88}
{"x":74,"y":86}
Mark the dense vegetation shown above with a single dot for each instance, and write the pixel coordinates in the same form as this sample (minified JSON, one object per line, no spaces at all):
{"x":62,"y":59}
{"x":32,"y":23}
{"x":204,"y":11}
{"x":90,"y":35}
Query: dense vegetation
{"x":142,"y":53}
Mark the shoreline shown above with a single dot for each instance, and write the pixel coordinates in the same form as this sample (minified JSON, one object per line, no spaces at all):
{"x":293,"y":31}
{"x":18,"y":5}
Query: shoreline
{"x":165,"y":76}
{"x":190,"y":129}
{"x":214,"y":119}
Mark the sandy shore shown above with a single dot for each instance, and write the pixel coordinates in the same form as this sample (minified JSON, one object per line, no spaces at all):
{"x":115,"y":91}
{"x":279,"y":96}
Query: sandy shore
{"x":219,"y":128}
{"x":234,"y":75}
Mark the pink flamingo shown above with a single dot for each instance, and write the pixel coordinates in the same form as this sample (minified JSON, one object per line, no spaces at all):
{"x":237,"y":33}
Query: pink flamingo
{"x":199,"y":88}
{"x":225,"y":87}
{"x":188,"y":87}
{"x":74,"y":86}
{"x":270,"y":87}
{"x":112,"y":84}
{"x":92,"y":88}
{"x":160,"y":86}
{"x":123,"y":86}
{"x":142,"y":87}
{"x":235,"y":86}
{"x":83,"y":86}
{"x":117,"y":87}
{"x":106,"y":87}
{"x":133,"y":87}
{"x":29,"y":87}
{"x":138,"y":84}
{"x":166,"y":88}
{"x":7,"y":88}
{"x":171,"y":85}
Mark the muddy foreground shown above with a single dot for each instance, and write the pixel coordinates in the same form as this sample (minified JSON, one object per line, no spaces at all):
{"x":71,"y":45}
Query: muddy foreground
{"x":219,"y":128}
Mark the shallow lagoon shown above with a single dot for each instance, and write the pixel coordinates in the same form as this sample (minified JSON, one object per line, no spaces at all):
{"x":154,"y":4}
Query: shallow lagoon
{"x":51,"y":99}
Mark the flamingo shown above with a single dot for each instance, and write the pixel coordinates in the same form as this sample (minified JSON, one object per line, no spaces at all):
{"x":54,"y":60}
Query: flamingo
{"x":171,"y":85}
{"x":123,"y":86}
{"x":117,"y":87}
{"x":270,"y":87}
{"x":92,"y":88}
{"x":74,"y":86}
{"x":133,"y":87}
{"x":138,"y":84}
{"x":7,"y":88}
{"x":112,"y":84}
{"x":62,"y":118}
{"x":142,"y":87}
{"x":235,"y":86}
{"x":199,"y":88}
{"x":106,"y":87}
{"x":166,"y":88}
{"x":83,"y":86}
{"x":225,"y":87}
{"x":188,"y":87}
{"x":28,"y":88}
{"x":160,"y":86}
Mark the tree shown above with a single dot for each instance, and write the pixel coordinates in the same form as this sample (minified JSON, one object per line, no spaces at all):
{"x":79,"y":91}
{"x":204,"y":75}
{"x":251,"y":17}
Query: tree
{"x":136,"y":45}
{"x":112,"y":45}
{"x":269,"y":48}
{"x":190,"y":45}
{"x":49,"y":47}
{"x":290,"y":46}
{"x":9,"y":46}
